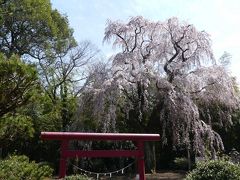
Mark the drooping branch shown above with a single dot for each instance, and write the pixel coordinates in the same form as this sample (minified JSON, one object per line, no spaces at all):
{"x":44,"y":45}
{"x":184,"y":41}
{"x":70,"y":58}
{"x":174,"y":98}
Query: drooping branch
{"x":161,"y":67}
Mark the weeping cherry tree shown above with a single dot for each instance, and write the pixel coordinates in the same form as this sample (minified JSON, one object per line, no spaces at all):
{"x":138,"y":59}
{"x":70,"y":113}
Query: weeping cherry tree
{"x":165,"y":74}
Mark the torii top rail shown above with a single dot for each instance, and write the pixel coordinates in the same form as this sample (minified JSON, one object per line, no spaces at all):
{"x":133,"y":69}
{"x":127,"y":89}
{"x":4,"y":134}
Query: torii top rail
{"x":65,"y":137}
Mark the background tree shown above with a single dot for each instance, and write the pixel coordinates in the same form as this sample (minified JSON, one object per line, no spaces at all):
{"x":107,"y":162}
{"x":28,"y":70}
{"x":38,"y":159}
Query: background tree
{"x":63,"y":77}
{"x":32,"y":28}
{"x":17,"y":83}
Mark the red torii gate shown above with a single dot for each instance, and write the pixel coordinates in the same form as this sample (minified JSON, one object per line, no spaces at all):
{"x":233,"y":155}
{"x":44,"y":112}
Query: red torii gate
{"x":65,"y":137}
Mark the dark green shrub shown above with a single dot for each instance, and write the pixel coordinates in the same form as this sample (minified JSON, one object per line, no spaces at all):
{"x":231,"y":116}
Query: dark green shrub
{"x":77,"y":177}
{"x":20,"y":168}
{"x":215,"y":170}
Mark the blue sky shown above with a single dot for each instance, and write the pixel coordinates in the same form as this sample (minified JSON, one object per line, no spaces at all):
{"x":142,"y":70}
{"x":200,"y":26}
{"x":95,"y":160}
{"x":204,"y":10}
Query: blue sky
{"x":220,"y":18}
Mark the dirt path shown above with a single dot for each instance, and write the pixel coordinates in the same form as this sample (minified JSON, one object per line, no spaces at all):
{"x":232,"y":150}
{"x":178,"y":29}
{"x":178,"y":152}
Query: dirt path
{"x":164,"y":175}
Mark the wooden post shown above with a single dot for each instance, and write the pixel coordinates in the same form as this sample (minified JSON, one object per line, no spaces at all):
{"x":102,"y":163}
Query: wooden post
{"x":63,"y":159}
{"x":141,"y":166}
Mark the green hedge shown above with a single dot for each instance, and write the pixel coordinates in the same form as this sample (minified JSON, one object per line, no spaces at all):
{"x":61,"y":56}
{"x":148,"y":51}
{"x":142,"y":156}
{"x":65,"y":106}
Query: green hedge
{"x":20,"y":168}
{"x":215,"y":170}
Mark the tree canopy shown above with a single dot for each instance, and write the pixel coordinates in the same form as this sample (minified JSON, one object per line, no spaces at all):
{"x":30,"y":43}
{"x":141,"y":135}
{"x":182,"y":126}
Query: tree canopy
{"x":32,"y":28}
